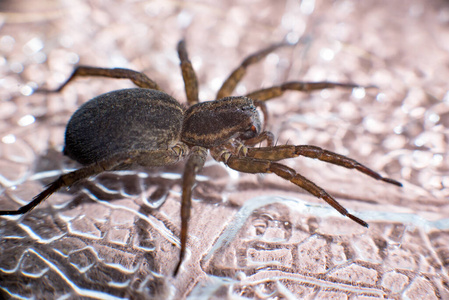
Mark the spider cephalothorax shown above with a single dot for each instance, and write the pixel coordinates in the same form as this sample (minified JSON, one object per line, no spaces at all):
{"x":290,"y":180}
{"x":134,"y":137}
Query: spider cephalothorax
{"x":145,"y":126}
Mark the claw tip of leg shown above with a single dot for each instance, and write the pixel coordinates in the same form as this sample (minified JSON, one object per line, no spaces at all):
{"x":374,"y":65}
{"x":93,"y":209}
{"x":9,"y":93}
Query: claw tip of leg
{"x":392,"y":181}
{"x":177,"y":269}
{"x":358,"y":221}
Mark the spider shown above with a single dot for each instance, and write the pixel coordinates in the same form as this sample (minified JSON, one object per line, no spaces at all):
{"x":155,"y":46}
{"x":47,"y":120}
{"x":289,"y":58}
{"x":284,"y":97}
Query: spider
{"x":146,"y":127}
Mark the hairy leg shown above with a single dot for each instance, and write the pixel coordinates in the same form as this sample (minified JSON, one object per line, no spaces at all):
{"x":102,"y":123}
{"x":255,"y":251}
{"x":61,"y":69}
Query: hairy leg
{"x":276,"y":91}
{"x":139,"y":79}
{"x":277,"y":153}
{"x":231,"y":82}
{"x":120,"y":160}
{"x":263,"y":136}
{"x":252,"y":165}
{"x":188,"y":74}
{"x":194,"y":165}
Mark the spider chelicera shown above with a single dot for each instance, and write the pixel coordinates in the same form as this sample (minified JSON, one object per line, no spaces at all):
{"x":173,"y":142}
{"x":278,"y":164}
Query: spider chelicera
{"x":145,"y":126}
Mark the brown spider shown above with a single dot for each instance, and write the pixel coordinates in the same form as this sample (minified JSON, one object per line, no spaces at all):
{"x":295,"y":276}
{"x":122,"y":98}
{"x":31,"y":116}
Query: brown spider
{"x":145,"y":126}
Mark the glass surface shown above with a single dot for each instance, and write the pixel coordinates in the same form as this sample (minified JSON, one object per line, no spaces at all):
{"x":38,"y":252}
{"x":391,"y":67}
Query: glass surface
{"x":250,"y":236}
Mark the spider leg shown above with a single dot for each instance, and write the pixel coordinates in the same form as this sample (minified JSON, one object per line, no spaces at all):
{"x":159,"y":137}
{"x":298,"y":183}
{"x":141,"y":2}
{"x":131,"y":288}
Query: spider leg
{"x":65,"y":180}
{"x":118,"y":161}
{"x":188,"y":74}
{"x":139,"y":79}
{"x":301,"y":86}
{"x":231,"y":82}
{"x":263,"y":107}
{"x":263,"y":136}
{"x":252,"y":165}
{"x":277,"y":153}
{"x":194,"y":165}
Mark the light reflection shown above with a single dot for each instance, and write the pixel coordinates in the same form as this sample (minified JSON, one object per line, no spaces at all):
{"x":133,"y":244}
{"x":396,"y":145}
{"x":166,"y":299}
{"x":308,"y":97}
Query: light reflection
{"x":16,"y":67}
{"x":437,"y":159}
{"x":73,"y":58}
{"x":419,"y":142}
{"x":446,"y":97}
{"x":215,"y":83}
{"x":9,"y":139}
{"x":184,"y":19}
{"x":7,"y":43}
{"x":66,"y":41}
{"x":324,"y":94}
{"x":26,"y":90}
{"x":434,"y":117}
{"x":398,"y":129}
{"x":197,"y":62}
{"x":421,"y":159}
{"x":381,"y":97}
{"x":39,"y":57}
{"x":287,"y":21}
{"x":33,"y":46}
{"x":359,"y":93}
{"x":307,"y":6}
{"x":292,"y":37}
{"x":273,"y":59}
{"x":26,"y":120}
{"x":241,"y":89}
{"x":327,"y":54}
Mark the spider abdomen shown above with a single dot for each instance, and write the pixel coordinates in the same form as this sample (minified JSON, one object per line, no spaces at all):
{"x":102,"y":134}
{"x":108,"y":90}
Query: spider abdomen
{"x":120,"y":121}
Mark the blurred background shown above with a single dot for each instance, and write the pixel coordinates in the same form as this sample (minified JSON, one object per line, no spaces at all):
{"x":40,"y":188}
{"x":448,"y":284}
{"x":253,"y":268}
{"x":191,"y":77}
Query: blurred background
{"x":251,"y":236}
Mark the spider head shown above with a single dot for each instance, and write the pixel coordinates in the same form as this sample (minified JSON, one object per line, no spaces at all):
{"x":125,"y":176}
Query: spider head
{"x":212,"y":123}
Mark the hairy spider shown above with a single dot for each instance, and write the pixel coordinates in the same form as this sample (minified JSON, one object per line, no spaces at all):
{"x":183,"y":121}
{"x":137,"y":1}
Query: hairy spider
{"x":145,"y":126}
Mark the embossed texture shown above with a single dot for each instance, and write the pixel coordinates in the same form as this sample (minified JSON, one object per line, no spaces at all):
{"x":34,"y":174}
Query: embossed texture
{"x":115,"y":236}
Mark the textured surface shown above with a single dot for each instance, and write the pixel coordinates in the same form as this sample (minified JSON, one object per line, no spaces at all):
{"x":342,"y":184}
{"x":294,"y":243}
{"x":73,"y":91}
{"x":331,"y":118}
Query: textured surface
{"x":250,"y":236}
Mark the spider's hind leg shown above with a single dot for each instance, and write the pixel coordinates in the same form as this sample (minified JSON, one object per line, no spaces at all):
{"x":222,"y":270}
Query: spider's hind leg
{"x":64,"y":181}
{"x":139,"y":79}
{"x":117,"y":161}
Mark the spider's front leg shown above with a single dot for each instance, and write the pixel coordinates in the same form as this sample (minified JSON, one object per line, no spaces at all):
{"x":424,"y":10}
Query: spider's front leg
{"x":231,"y":82}
{"x":277,"y":153}
{"x":253,"y":165}
{"x":299,"y":86}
